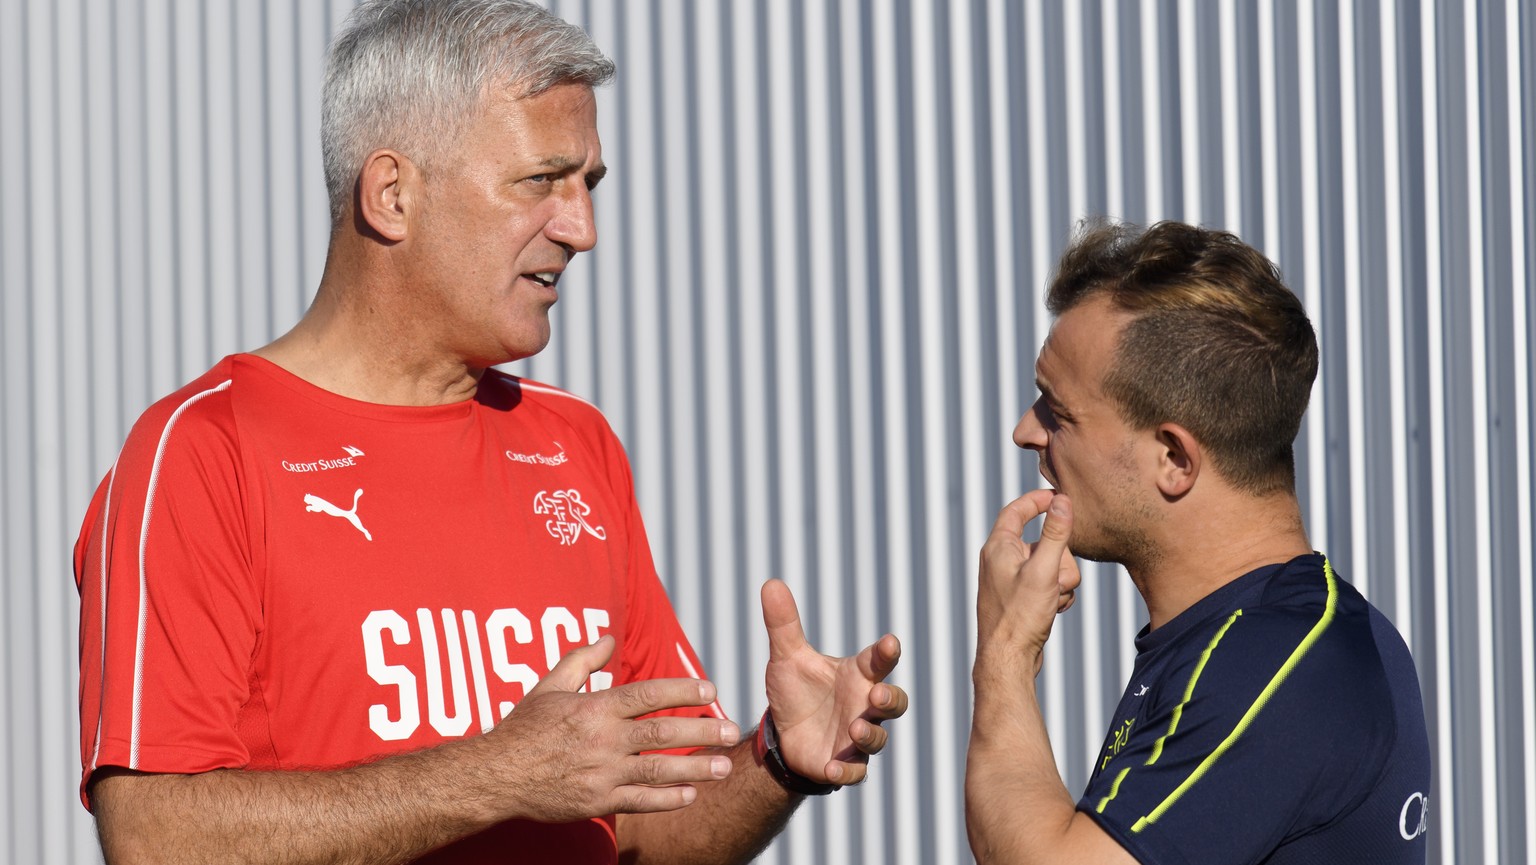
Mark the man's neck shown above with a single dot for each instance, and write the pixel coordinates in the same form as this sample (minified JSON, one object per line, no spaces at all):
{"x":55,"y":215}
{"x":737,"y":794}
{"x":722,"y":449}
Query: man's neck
{"x":365,"y":352}
{"x":1207,"y":550}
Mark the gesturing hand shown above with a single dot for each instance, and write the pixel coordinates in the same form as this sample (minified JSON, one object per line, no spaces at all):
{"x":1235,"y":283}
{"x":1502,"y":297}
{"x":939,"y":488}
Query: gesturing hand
{"x":828,"y":710}
{"x":1022,"y":586}
{"x":566,"y":755}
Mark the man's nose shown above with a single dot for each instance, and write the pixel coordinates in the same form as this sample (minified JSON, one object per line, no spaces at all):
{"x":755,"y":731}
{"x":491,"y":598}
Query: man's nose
{"x":1030,"y":432}
{"x":574,"y":226}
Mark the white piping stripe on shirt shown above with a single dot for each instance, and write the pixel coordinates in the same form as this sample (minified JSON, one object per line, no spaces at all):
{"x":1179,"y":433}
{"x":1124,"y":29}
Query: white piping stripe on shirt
{"x":101,"y":699}
{"x":694,"y":672}
{"x":149,"y":506}
{"x":554,"y":391}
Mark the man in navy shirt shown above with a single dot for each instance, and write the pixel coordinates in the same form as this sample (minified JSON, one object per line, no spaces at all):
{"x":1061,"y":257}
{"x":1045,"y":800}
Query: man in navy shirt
{"x":1273,"y":714}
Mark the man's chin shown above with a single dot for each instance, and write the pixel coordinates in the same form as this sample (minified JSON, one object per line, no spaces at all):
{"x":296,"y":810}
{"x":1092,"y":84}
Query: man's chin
{"x":1094,"y":554}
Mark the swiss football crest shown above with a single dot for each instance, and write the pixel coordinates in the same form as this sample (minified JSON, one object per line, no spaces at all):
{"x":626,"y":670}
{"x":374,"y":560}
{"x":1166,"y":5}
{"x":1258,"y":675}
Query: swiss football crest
{"x":567,"y":516}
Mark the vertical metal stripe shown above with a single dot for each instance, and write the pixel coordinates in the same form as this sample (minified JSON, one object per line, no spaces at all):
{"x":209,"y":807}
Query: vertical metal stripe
{"x":1392,"y":220}
{"x":1360,"y":564}
{"x":21,"y":753}
{"x":969,"y":432}
{"x":1446,"y":762}
{"x":1520,"y":273}
{"x":1114,"y":131}
{"x":889,"y":182}
{"x":1075,"y":67}
{"x":1231,"y":119}
{"x":1307,"y":225}
{"x":1477,"y":288}
{"x":868,"y":507}
{"x":1152,"y":114}
{"x":1187,"y":54}
{"x":12,"y":226}
{"x":1269,"y":238}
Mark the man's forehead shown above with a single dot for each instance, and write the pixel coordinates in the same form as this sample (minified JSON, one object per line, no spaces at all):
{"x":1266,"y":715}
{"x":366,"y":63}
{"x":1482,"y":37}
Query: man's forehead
{"x":1081,"y":344}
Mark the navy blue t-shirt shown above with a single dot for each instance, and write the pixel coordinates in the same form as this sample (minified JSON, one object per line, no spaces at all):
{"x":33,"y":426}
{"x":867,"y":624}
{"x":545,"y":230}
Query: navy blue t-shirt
{"x":1278,"y":720}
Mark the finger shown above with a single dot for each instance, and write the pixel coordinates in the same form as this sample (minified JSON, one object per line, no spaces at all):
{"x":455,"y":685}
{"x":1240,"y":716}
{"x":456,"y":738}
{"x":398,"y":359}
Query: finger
{"x":867,"y":737}
{"x":1057,"y":530}
{"x":782,"y":619}
{"x":1065,"y":601}
{"x":877,"y":661}
{"x":578,"y":664}
{"x":666,"y":733}
{"x":1015,"y":515}
{"x":886,"y":701}
{"x":1068,"y":577}
{"x":636,"y":799}
{"x":847,"y":772}
{"x":668,"y":770}
{"x":644,"y":697}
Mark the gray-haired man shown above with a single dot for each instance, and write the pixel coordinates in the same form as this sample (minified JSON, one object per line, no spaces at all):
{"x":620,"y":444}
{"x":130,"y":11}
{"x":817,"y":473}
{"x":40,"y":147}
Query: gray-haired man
{"x":315,"y":571}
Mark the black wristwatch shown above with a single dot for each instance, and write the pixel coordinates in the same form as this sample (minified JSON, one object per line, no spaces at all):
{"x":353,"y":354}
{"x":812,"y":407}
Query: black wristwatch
{"x":766,"y":746}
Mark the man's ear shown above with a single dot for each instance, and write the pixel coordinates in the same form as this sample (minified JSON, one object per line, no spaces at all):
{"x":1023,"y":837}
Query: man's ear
{"x":387,"y":189}
{"x":1180,"y":459}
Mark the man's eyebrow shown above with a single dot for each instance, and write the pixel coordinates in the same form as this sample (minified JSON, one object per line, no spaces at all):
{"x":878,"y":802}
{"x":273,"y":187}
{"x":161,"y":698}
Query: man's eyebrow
{"x":559,"y":164}
{"x":563,"y":164}
{"x":1045,"y":391}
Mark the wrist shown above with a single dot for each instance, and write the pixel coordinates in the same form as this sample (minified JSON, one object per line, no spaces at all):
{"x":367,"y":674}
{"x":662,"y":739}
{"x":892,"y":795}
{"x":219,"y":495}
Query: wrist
{"x":765,"y":748}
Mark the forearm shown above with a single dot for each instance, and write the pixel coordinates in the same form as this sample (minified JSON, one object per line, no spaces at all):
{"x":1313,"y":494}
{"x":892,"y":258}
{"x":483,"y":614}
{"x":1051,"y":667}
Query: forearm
{"x":392,"y":810}
{"x":731,"y":821}
{"x":1010,"y":770}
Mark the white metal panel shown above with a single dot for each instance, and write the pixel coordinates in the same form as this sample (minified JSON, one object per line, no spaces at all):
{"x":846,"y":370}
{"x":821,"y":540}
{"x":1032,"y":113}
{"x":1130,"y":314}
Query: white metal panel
{"x":812,"y":317}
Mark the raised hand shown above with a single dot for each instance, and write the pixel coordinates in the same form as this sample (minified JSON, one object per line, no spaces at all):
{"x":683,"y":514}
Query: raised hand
{"x":1021,"y":586}
{"x":569,"y":755}
{"x":828,"y":711}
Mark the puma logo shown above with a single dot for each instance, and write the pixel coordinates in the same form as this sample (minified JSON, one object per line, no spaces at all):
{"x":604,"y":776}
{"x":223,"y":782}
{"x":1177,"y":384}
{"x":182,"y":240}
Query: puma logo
{"x":316,"y":505}
{"x":1143,"y":690}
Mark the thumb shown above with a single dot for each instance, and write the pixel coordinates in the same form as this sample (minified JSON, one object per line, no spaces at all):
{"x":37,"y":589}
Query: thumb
{"x":782,"y":619}
{"x":578,"y":664}
{"x":1056,"y":531}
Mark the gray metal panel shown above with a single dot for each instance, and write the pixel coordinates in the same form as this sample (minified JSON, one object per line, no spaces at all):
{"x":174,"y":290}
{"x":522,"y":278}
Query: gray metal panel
{"x":812,"y":317}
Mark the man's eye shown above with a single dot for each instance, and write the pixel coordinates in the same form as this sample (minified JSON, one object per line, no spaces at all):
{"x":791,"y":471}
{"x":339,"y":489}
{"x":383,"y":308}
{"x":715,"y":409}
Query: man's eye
{"x":539,"y":178}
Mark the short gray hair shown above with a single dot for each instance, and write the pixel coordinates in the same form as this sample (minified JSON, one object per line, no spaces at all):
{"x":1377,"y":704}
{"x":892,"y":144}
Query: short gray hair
{"x":411,"y":74}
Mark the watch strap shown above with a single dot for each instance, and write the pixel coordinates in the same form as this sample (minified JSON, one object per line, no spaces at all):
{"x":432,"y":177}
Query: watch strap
{"x":766,"y":747}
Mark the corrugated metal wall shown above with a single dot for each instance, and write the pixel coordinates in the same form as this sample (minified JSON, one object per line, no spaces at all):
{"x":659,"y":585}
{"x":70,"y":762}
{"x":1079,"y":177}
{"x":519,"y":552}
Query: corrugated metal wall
{"x":812,"y":315}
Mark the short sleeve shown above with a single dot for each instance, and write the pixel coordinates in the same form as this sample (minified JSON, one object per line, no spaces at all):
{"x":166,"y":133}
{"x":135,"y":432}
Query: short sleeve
{"x":1250,"y":743}
{"x":170,"y":610}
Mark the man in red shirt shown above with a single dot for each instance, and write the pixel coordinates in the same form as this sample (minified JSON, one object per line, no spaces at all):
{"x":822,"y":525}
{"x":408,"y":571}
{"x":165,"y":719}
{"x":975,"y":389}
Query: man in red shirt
{"x":316,"y":571}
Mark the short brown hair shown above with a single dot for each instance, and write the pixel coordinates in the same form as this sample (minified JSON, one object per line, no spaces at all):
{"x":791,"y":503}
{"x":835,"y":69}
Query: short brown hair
{"x":1218,"y":344}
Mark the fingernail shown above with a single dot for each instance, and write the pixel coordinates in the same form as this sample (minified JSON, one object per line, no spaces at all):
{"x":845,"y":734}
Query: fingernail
{"x":690,"y":794}
{"x":729,"y":733}
{"x":706,"y":692}
{"x":720,"y":766}
{"x":1059,"y":505}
